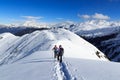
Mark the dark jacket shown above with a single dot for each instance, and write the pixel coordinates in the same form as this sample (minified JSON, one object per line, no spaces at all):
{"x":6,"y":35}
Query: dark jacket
{"x":61,"y":51}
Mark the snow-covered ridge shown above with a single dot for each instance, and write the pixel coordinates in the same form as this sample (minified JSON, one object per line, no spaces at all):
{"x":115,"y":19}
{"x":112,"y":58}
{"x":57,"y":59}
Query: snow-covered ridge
{"x":76,"y":26}
{"x":86,"y":28}
{"x":75,"y":47}
{"x":26,"y":24}
{"x":91,"y":28}
{"x":33,"y":58}
{"x":87,"y":25}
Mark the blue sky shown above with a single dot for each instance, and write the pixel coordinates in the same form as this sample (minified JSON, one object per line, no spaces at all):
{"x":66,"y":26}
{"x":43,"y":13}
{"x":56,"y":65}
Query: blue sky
{"x":57,"y":10}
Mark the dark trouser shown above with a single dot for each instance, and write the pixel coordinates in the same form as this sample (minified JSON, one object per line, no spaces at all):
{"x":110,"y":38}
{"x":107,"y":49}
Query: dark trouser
{"x":55,"y":55}
{"x":59,"y":58}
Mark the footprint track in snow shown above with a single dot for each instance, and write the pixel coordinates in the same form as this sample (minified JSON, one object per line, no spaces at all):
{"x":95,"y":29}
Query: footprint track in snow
{"x":62,"y":71}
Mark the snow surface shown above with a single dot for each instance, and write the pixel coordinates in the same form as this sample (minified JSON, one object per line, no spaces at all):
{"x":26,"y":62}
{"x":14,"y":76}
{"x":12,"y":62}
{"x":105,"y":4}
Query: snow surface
{"x":83,"y":69}
{"x":41,"y":66}
{"x":30,"y":57}
{"x":74,"y":46}
{"x":38,"y":66}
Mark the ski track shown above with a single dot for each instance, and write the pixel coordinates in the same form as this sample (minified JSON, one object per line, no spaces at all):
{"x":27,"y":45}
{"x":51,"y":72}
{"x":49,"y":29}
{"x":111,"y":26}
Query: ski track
{"x":62,"y":71}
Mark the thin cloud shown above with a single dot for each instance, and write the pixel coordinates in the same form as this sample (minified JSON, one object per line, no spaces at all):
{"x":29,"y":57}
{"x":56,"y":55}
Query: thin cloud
{"x":84,"y":16}
{"x":94,"y":16}
{"x":100,"y":16}
{"x":33,"y":17}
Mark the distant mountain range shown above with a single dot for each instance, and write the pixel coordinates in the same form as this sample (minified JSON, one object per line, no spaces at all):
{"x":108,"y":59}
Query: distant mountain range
{"x":101,"y":33}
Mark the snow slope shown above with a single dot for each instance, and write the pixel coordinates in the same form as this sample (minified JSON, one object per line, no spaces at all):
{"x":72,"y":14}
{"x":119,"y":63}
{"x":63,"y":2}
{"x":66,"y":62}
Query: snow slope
{"x":38,"y":66}
{"x":92,"y":70}
{"x":101,"y":33}
{"x":41,"y":66}
{"x":30,"y":57}
{"x":75,"y":46}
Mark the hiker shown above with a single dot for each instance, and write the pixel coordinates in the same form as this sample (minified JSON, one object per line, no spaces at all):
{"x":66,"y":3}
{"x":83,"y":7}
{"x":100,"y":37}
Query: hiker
{"x":55,"y":48}
{"x":60,"y":53}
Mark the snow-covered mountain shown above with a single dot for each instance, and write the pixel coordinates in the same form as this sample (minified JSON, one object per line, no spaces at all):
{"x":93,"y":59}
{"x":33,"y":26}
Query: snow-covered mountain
{"x":66,"y":25}
{"x":101,"y":33}
{"x":30,"y":57}
{"x":20,"y":30}
{"x":106,"y":38}
{"x":88,"y":25}
{"x":91,"y":28}
{"x":96,"y":28}
{"x":27,"y":23}
{"x":18,"y":47}
{"x":97,"y":32}
{"x":87,"y":28}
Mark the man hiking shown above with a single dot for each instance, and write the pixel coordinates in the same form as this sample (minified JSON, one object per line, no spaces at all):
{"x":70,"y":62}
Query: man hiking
{"x":55,"y":48}
{"x":60,"y":53}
